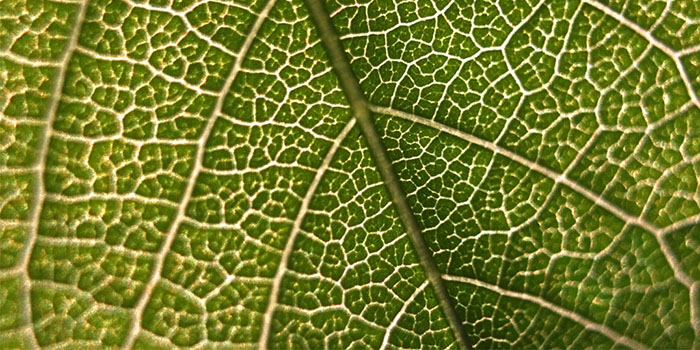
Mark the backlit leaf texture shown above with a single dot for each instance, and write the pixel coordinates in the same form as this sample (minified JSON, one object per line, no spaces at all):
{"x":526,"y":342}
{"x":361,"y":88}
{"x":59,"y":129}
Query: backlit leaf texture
{"x":192,"y":174}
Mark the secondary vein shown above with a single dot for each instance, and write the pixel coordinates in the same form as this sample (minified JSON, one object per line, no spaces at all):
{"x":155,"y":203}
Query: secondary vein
{"x":39,"y":191}
{"x":197,"y":168}
{"x":586,"y":323}
{"x":361,"y":112}
{"x":282,"y":268}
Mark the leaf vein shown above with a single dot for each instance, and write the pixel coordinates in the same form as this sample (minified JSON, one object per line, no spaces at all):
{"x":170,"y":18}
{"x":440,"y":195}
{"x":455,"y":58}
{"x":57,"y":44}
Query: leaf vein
{"x":361,"y":112}
{"x":675,"y":265}
{"x":170,"y":237}
{"x":38,"y":191}
{"x":588,"y":324}
{"x":675,"y":56}
{"x":277,"y":280}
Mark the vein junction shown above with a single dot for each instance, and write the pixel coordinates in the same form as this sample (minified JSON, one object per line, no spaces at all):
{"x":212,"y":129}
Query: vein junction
{"x":207,"y":173}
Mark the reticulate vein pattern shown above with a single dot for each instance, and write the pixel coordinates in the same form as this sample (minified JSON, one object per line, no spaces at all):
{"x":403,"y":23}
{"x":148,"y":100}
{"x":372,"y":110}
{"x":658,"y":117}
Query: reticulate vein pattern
{"x":191,"y":174}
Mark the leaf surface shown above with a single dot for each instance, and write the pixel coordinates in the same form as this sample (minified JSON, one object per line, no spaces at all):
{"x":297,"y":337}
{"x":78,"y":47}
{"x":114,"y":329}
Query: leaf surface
{"x":196,"y":174}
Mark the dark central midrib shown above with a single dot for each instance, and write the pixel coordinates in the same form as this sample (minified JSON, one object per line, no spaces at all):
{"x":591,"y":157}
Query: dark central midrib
{"x":360,"y":110}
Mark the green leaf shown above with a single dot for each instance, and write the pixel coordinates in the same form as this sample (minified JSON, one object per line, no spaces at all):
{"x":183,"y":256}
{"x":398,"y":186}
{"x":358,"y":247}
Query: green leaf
{"x":268,"y":174}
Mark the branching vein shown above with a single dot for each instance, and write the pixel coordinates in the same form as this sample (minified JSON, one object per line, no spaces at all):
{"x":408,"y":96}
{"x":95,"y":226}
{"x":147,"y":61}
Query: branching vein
{"x":588,"y":324}
{"x":38,"y":191}
{"x":361,"y":112}
{"x":675,"y":56}
{"x":277,"y":281}
{"x":681,"y":276}
{"x":197,"y":168}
